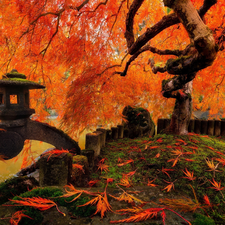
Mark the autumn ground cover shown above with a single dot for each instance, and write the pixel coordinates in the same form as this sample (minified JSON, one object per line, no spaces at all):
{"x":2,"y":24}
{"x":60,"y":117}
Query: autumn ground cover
{"x":187,"y":170}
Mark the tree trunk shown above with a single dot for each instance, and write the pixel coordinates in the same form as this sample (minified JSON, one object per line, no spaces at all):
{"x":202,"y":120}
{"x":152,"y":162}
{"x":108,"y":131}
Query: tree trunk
{"x":182,"y":111}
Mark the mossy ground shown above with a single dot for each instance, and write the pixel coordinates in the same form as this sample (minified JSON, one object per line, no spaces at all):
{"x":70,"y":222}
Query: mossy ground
{"x":151,"y":155}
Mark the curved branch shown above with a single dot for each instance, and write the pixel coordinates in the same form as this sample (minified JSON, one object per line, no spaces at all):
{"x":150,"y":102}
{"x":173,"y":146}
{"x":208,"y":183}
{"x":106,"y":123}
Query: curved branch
{"x":151,"y":49}
{"x":164,"y":23}
{"x":56,"y":31}
{"x":129,"y":34}
{"x":175,"y":83}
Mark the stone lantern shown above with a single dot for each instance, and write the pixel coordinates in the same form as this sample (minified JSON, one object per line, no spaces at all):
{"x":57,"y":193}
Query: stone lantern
{"x":14,"y":96}
{"x":15,"y":123}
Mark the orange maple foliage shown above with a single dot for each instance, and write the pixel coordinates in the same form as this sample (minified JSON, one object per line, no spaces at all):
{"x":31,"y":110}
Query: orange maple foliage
{"x":77,"y":64}
{"x":62,"y":58}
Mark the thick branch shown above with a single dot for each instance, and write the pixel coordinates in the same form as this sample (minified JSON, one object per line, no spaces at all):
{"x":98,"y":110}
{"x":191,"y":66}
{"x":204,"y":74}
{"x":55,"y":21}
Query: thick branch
{"x":129,"y":34}
{"x":151,"y":49}
{"x":150,"y":33}
{"x":176,"y":83}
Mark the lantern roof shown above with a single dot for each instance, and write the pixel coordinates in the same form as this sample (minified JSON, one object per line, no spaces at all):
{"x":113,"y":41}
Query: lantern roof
{"x":15,"y":79}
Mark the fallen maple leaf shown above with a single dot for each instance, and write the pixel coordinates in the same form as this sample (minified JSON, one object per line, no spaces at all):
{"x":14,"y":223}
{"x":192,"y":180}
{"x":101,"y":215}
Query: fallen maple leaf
{"x":92,"y":183}
{"x":212,"y":166}
{"x":160,"y":140}
{"x":170,"y":186}
{"x":189,"y":175}
{"x":182,"y":204}
{"x":78,"y":166}
{"x":164,"y":170}
{"x":144,"y":214}
{"x":125,"y":181}
{"x":103,"y":167}
{"x":174,"y":161}
{"x":126,"y":162}
{"x":54,"y":152}
{"x":154,"y":147}
{"x":16,"y":217}
{"x":127,"y":197}
{"x":151,"y":184}
{"x":207,"y":202}
{"x":216,"y":185}
{"x":36,"y":202}
{"x":222,"y":160}
{"x":130,"y":173}
{"x":102,"y":204}
{"x":73,"y":191}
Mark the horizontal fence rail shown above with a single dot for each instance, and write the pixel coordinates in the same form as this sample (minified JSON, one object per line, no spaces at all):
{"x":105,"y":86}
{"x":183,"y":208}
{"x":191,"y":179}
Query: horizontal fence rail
{"x":209,"y":127}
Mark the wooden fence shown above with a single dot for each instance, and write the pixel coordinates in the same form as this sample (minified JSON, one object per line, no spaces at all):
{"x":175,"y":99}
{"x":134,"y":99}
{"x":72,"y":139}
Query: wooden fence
{"x":209,"y":127}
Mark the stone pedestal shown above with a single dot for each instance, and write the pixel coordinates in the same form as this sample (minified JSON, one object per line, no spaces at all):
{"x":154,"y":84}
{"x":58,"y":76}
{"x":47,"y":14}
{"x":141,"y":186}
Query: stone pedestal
{"x":55,"y":170}
{"x":93,"y":143}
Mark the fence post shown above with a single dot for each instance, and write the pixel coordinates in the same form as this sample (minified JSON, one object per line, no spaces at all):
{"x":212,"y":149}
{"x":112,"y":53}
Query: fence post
{"x":93,"y":143}
{"x":160,"y":125}
{"x":120,"y":131}
{"x":197,"y":129}
{"x":108,"y":135}
{"x":166,"y":123}
{"x":217,"y":129}
{"x":114,"y":132}
{"x":204,"y":126}
{"x":103,"y":134}
{"x":210,"y":127}
{"x":191,"y":126}
{"x":222,"y":127}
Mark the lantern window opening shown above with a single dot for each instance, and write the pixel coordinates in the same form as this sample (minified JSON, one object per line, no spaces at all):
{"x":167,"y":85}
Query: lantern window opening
{"x":14,"y":99}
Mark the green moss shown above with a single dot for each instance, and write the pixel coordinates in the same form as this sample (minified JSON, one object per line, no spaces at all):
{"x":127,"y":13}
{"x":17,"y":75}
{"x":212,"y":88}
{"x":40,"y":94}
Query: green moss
{"x":202,"y":220}
{"x":55,"y":194}
{"x":15,"y":186}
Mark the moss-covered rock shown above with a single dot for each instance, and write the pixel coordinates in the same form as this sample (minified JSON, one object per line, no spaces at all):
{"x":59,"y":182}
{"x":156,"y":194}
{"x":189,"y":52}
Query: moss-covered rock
{"x":55,"y":170}
{"x":15,"y":186}
{"x":138,"y":122}
{"x":80,"y":177}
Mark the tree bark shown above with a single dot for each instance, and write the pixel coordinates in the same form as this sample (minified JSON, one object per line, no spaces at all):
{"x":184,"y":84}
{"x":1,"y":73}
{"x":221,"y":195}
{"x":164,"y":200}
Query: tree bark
{"x":182,"y":111}
{"x":199,"y":54}
{"x":203,"y":56}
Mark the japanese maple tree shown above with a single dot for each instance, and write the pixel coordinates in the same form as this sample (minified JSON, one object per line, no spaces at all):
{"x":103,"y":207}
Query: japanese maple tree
{"x":96,"y":56}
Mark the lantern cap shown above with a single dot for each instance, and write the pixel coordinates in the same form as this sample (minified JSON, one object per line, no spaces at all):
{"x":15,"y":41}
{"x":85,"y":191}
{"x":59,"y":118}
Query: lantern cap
{"x":14,"y":78}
